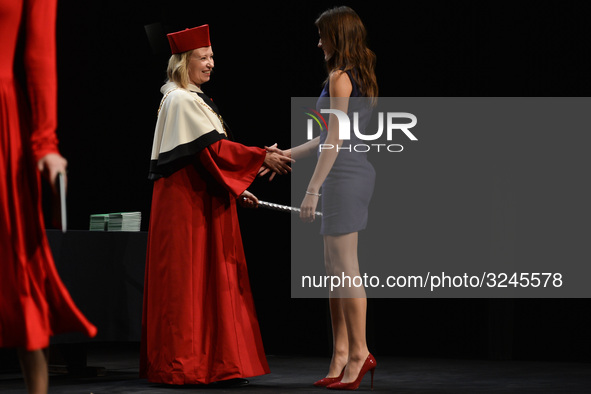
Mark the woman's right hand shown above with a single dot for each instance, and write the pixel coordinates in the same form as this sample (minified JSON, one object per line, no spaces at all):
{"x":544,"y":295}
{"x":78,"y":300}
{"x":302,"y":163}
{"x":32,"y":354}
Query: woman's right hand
{"x":274,"y":148}
{"x":276,"y":161}
{"x":50,"y":166}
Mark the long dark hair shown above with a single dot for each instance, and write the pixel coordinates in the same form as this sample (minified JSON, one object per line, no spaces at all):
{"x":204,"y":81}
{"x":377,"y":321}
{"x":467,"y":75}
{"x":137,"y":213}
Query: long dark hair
{"x":342,"y":31}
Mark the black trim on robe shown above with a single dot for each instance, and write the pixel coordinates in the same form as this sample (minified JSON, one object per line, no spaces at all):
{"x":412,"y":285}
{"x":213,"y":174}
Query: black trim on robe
{"x":179,"y":157}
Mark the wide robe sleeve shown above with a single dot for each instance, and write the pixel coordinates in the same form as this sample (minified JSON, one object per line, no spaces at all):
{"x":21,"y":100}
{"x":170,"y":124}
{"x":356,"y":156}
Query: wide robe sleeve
{"x":232,"y":165}
{"x":40,"y":64}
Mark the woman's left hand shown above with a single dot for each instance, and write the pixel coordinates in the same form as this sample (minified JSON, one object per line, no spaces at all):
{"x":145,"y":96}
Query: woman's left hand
{"x":248,"y":200}
{"x":308,"y":208}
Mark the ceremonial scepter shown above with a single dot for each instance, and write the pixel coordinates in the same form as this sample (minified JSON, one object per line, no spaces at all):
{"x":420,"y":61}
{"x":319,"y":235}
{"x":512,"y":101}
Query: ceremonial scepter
{"x":283,"y":208}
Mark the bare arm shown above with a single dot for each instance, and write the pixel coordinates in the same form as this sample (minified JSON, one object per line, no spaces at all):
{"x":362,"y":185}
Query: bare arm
{"x":297,"y":152}
{"x":304,"y":150}
{"x":340,"y":91}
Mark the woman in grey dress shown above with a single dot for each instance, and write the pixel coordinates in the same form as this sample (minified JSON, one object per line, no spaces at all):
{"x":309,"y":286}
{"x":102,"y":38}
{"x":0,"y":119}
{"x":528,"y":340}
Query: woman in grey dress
{"x":343,"y":181}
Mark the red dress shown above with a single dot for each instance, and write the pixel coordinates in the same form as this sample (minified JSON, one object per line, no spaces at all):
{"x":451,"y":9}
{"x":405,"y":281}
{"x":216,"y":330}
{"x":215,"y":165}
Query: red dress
{"x":34,"y":304}
{"x":199,"y":320}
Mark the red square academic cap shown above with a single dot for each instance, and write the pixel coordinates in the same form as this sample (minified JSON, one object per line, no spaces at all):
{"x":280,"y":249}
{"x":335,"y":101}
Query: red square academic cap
{"x":188,"y":39}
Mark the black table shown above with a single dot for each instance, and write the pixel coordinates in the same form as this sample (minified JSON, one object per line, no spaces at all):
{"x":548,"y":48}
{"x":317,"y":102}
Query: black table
{"x":104,"y":273}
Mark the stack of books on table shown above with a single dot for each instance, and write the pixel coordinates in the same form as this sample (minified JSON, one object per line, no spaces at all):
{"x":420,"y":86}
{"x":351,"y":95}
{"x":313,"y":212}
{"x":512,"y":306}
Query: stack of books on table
{"x":99,"y":222}
{"x":118,"y":221}
{"x":125,"y":221}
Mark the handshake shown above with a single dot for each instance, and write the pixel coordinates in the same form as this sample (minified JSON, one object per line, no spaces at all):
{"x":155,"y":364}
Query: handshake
{"x":276,"y":161}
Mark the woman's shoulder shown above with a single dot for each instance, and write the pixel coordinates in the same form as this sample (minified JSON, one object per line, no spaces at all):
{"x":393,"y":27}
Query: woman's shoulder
{"x":340,"y":83}
{"x":338,"y":75}
{"x":177,"y":95}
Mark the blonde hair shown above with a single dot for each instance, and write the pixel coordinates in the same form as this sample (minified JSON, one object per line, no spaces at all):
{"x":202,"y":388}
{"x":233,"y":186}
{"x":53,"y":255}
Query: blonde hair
{"x":178,"y":69}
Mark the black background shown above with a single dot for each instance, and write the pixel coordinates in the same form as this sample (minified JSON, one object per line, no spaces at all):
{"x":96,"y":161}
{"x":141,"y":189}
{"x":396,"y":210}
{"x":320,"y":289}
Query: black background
{"x":109,"y":79}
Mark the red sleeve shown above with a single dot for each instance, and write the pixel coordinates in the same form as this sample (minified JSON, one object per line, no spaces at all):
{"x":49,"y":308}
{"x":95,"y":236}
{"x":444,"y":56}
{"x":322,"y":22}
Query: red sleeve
{"x":233,"y":165}
{"x":40,"y":64}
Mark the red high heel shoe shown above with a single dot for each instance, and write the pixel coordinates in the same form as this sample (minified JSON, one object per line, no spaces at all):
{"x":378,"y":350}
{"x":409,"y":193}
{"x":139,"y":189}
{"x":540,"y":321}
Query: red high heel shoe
{"x":368,"y":365}
{"x":326,"y":381}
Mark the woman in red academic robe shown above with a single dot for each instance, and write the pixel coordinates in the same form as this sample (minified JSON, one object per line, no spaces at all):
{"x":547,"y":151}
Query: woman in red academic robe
{"x":34,"y":304}
{"x":199,"y":322}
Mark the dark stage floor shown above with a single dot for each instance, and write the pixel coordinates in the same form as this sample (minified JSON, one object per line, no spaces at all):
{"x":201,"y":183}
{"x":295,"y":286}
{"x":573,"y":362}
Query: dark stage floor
{"x":295,"y":375}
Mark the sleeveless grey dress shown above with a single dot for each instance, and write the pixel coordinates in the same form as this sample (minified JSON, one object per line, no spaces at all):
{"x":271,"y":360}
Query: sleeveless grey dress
{"x":348,"y":188}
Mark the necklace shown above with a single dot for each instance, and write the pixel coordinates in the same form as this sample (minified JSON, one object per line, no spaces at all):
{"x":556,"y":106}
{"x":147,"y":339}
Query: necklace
{"x":215,"y":113}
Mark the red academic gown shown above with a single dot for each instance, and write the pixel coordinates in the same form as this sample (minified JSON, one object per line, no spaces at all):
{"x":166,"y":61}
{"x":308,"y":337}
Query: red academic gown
{"x":34,"y":304}
{"x":199,"y":320}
